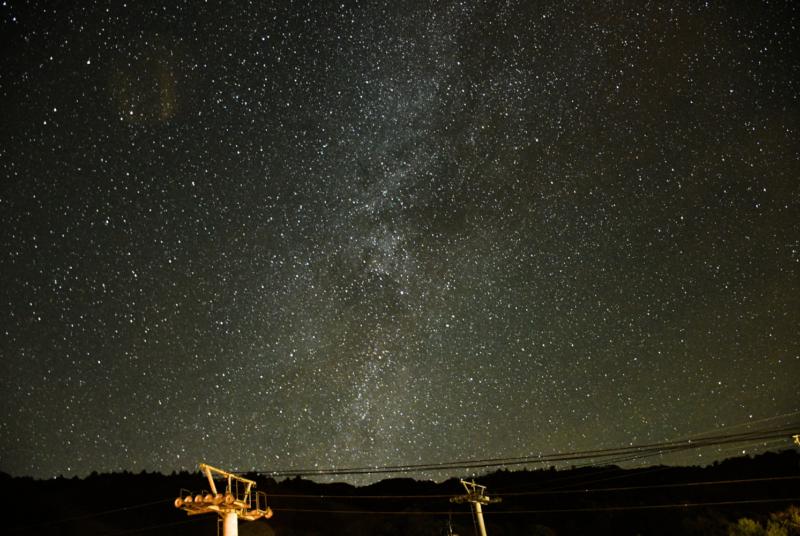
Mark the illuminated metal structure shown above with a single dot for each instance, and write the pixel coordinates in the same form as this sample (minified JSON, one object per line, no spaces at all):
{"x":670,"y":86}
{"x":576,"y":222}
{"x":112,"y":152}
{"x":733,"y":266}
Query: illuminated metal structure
{"x":796,"y":438}
{"x":239,"y":500}
{"x":476,"y":494}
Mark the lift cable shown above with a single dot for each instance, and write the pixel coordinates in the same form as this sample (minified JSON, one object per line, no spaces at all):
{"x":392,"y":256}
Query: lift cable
{"x":650,"y":449}
{"x":542,"y":511}
{"x":323,"y":497}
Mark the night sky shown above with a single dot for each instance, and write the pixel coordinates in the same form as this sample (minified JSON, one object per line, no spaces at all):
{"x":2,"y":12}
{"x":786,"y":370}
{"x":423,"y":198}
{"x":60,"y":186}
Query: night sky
{"x":271,"y":236}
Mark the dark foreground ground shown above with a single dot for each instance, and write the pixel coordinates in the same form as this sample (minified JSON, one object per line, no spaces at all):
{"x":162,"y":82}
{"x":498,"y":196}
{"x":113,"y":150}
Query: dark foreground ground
{"x":608,"y":500}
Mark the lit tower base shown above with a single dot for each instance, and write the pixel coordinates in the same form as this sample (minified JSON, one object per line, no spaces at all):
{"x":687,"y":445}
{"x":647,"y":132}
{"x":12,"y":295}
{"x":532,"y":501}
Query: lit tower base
{"x":238,"y":501}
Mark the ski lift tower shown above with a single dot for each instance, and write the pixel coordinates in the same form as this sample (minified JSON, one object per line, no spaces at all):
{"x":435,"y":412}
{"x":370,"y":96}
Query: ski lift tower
{"x":239,"y":500}
{"x":476,"y":494}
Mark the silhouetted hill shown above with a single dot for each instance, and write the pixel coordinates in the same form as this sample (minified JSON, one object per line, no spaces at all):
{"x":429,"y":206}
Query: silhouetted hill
{"x":654,"y":500}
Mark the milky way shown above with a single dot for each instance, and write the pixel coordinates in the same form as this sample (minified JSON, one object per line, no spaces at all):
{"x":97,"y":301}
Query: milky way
{"x":280,"y":236}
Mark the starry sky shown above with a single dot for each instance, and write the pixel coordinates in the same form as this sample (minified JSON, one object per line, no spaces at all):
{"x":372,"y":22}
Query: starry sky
{"x":274,"y":235}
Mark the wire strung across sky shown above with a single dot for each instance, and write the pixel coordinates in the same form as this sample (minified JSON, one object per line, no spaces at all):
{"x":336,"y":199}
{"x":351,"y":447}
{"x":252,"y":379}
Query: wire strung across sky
{"x":541,"y":492}
{"x":541,"y":511}
{"x":322,"y":497}
{"x":608,"y":455}
{"x":536,"y":492}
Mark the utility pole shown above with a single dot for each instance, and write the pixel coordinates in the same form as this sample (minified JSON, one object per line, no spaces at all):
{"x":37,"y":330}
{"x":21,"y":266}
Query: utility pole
{"x":238,"y":500}
{"x":476,"y":494}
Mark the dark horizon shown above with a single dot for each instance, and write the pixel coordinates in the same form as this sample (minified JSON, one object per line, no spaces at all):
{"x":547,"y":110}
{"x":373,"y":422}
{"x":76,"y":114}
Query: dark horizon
{"x":656,"y":500}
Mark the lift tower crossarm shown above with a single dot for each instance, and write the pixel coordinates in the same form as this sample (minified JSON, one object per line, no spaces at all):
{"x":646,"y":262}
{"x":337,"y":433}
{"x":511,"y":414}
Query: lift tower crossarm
{"x":209,"y":471}
{"x":238,"y":501}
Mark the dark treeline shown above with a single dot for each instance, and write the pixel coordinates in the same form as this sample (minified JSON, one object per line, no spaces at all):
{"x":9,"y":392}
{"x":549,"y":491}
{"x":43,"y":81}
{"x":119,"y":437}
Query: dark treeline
{"x":591,"y":500}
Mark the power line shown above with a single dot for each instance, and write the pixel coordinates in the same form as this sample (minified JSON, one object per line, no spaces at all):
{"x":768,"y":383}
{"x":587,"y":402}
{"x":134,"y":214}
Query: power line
{"x":632,"y":451}
{"x":700,"y":440}
{"x":89,"y":516}
{"x":607,"y":456}
{"x":32,"y":528}
{"x":651,"y":486}
{"x":323,"y":497}
{"x":747,"y":423}
{"x":542,"y":511}
{"x":154,"y":527}
{"x":610,"y":466}
{"x":650,"y":506}
{"x":574,"y":480}
{"x":443,"y":496}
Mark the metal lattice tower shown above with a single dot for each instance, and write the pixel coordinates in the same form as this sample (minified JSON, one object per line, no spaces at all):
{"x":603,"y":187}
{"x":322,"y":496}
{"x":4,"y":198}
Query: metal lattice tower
{"x":239,"y":500}
{"x":476,"y":494}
